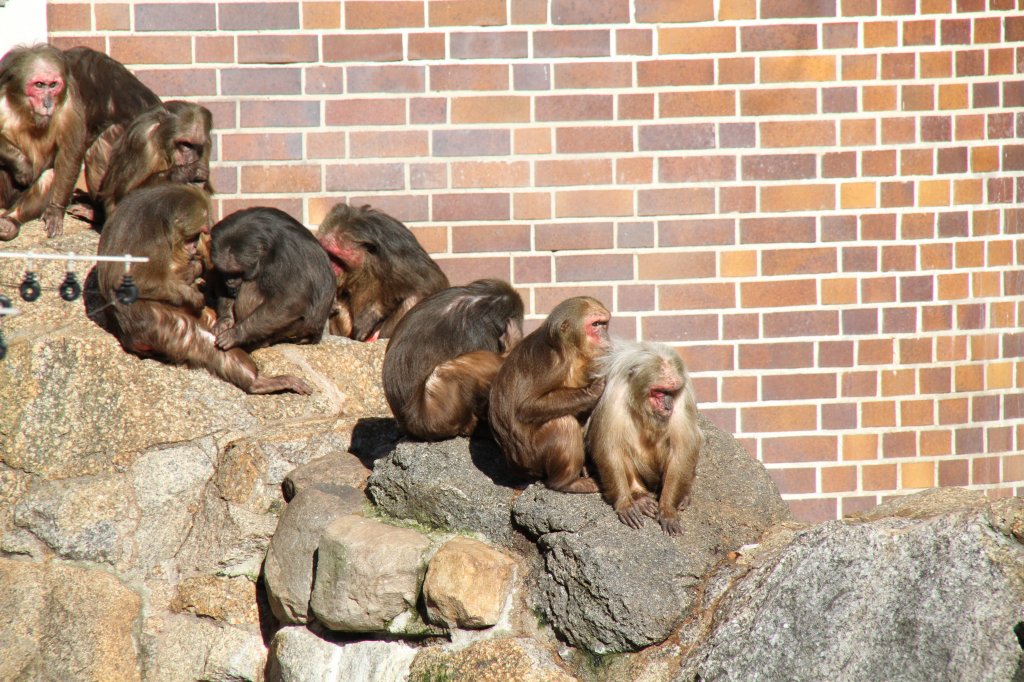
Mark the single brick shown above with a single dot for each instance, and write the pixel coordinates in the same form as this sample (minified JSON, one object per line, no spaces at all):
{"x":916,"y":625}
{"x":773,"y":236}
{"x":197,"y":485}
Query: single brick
{"x":261,"y":147}
{"x":393,"y":143}
{"x":490,"y":45}
{"x":365,"y":176}
{"x":593,"y":267}
{"x":455,"y":77}
{"x":582,"y":75}
{"x":466,"y":12}
{"x":257,"y":81}
{"x":325,"y":146}
{"x":574,"y":108}
{"x":794,"y":481}
{"x":671,"y":11}
{"x":696,"y":296}
{"x":634,"y":42}
{"x":783,"y":418}
{"x":798,"y":386}
{"x":680,"y":328}
{"x":679,"y":72}
{"x":593,"y":203}
{"x":695,"y":104}
{"x":485,"y":238}
{"x":258,"y":16}
{"x":68,"y":18}
{"x":280,"y":179}
{"x":675,"y":169}
{"x":269,"y":114}
{"x":325,"y":80}
{"x":567,"y":12}
{"x":778,"y":37}
{"x":486,"y":174}
{"x":175,"y":17}
{"x":682,"y":201}
{"x":169,"y":83}
{"x":674,"y":266}
{"x":574,"y":236}
{"x":321,"y":15}
{"x":785,"y":9}
{"x":426,"y":46}
{"x":566,"y":172}
{"x":391,"y":78}
{"x":145,"y":50}
{"x":215,"y":49}
{"x":696,"y":40}
{"x":801,"y":261}
{"x":368,"y":47}
{"x":800,"y":69}
{"x":470,"y":206}
{"x":465,"y":270}
{"x":272,"y":49}
{"x":472,"y":142}
{"x":371,"y":14}
{"x":498,"y":109}
{"x":779,"y":101}
{"x":575,"y":43}
{"x":793,"y":292}
{"x":370,"y":111}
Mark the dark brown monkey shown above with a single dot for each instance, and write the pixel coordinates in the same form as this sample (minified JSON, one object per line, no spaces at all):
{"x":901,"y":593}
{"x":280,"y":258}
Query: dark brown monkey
{"x":277,"y":283}
{"x":169,"y":321}
{"x":166,"y":143}
{"x":42,"y":138}
{"x":643,"y":435}
{"x":546,"y":389}
{"x":381,"y":271}
{"x":443,"y":355}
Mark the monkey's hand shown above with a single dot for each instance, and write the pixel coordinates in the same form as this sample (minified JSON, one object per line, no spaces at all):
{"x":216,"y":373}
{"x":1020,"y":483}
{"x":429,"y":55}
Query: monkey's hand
{"x":228,"y":338}
{"x":53,"y":220}
{"x":632,"y":516}
{"x":647,"y":505}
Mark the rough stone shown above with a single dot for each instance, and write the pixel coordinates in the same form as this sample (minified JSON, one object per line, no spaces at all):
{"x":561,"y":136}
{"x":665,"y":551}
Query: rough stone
{"x":922,"y":596}
{"x":609,"y":588}
{"x":299,"y":655}
{"x":288,"y":569}
{"x":229,"y":600}
{"x":337,"y":468}
{"x":187,"y":648}
{"x":451,"y":485}
{"x":495,"y":660}
{"x":368,"y":576}
{"x":65,"y":622}
{"x":467,"y":584}
{"x":89,"y":518}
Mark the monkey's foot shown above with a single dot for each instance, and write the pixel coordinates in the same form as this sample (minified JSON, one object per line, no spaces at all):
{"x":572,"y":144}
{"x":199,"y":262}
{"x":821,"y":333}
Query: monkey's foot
{"x":646,"y":504}
{"x":9,"y":228}
{"x":670,"y":524}
{"x":82,"y":212}
{"x":284,"y":382}
{"x":579,"y":485}
{"x":53,"y":220}
{"x":632,"y":516}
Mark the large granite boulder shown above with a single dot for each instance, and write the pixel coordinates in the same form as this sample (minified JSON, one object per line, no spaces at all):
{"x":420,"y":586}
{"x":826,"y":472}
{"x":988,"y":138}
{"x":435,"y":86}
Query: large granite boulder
{"x":928,"y":588}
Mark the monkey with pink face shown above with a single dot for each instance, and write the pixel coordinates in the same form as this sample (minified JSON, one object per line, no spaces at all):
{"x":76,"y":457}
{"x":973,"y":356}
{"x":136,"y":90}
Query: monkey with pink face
{"x":643,"y":435}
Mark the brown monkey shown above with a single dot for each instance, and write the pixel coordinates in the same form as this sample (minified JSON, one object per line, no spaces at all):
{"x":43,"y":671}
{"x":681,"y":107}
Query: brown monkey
{"x":444,"y":353}
{"x":546,"y":389}
{"x":42,"y":138}
{"x":276,"y":281}
{"x":381,"y":271}
{"x":169,"y":321}
{"x":166,"y":143}
{"x":643,"y":435}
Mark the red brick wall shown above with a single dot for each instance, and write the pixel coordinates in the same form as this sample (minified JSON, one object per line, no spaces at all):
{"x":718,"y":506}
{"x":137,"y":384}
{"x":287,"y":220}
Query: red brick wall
{"x":817,"y":202}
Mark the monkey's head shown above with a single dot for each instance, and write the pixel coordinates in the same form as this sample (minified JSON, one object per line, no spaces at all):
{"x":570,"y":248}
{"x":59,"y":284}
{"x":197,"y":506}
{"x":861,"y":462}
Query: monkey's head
{"x":43,"y":82}
{"x":663,"y":388}
{"x":581,"y":323}
{"x":188,"y":143}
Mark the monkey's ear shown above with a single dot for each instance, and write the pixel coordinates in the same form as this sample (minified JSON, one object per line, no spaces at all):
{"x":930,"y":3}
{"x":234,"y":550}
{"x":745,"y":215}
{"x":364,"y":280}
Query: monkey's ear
{"x":633,"y":370}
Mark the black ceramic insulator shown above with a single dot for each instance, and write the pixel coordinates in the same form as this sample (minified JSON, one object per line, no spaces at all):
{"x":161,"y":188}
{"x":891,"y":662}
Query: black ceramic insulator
{"x":126,"y":292}
{"x":70,"y":289}
{"x":30,"y":288}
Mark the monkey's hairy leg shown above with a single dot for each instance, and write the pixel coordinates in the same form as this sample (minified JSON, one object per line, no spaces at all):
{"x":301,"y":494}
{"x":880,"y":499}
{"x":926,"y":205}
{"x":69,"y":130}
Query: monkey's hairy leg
{"x":559,"y":452}
{"x":9,"y":228}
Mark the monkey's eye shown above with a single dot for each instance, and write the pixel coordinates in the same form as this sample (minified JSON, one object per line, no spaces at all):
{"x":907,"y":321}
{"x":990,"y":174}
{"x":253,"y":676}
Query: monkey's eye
{"x":371,"y":248}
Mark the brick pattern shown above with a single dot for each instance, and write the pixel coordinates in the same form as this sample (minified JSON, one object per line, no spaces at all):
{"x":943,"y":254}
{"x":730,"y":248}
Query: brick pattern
{"x":818,"y":203}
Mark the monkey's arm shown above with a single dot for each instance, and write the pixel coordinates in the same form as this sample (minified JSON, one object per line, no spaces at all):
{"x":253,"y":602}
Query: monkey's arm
{"x":264,"y":321}
{"x":16,"y":163}
{"x":560,"y":402}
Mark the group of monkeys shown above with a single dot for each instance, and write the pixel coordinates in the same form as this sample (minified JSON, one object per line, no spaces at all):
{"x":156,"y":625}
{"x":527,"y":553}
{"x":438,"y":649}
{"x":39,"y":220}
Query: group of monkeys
{"x":456,"y":356}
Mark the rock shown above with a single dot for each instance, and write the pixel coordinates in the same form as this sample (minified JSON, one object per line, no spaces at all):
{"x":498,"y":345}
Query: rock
{"x":451,"y":485}
{"x":495,"y":660}
{"x":368,"y":576}
{"x":337,"y":468}
{"x":298,"y":655}
{"x":91,"y":518}
{"x":187,"y":648}
{"x":926,"y":503}
{"x":169,"y":484}
{"x":609,"y":588}
{"x":288,"y":569}
{"x":922,"y":595}
{"x":467,"y":584}
{"x":228,"y":600}
{"x":68,"y":623}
